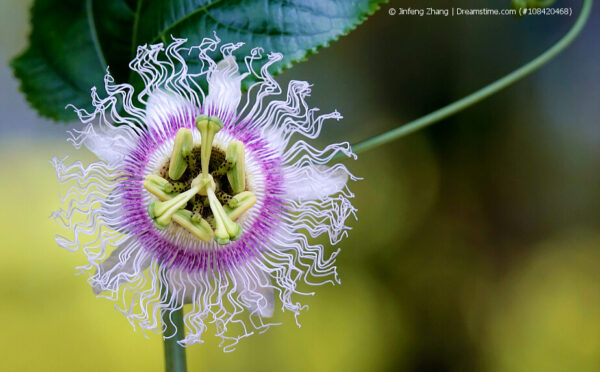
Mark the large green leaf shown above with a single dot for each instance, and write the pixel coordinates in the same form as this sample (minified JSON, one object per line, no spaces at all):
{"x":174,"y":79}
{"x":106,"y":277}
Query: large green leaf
{"x":74,"y":41}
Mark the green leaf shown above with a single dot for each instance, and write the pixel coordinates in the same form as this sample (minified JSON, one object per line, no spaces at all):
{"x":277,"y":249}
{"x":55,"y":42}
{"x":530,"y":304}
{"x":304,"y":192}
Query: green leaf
{"x":74,"y":41}
{"x":67,"y":53}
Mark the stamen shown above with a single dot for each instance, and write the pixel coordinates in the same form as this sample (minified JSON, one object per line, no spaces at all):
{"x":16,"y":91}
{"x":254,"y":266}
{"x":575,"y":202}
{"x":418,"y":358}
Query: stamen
{"x":158,"y":187}
{"x":181,"y":149}
{"x":204,"y":189}
{"x":208,"y":127}
{"x":225,"y":229}
{"x":243,"y":201}
{"x":237,"y":174}
{"x":200,"y":228}
{"x":162,"y":212}
{"x":193,"y":222}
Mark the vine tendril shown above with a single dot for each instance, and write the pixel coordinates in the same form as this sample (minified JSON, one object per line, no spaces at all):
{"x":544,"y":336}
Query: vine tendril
{"x":482,"y":93}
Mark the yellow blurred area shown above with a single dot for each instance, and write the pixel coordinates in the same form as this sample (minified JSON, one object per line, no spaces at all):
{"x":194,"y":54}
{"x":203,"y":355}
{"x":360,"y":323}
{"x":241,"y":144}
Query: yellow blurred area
{"x":546,"y":317}
{"x":53,"y":322}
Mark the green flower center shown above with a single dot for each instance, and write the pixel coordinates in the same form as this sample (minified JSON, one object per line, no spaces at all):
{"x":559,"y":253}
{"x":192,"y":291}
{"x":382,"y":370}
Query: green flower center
{"x":202,"y":188}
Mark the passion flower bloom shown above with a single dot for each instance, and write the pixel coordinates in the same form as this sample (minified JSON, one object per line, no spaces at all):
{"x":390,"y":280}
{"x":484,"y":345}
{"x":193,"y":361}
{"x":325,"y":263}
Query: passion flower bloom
{"x":215,"y":197}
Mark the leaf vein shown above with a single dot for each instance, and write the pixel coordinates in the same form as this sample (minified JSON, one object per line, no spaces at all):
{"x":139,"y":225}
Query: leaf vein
{"x":94,"y":34}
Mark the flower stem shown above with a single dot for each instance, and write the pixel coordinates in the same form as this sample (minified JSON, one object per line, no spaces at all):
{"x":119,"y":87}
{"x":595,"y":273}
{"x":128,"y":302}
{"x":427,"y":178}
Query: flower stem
{"x":175,"y":360}
{"x":482,"y":93}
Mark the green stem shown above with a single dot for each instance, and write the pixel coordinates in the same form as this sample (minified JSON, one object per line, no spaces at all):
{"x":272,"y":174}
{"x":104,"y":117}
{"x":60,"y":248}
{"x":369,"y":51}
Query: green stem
{"x":175,"y":360}
{"x":482,"y":93}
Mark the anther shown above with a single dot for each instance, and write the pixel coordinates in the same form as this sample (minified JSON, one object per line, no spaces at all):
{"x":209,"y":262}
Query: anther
{"x":208,"y":127}
{"x":200,"y":228}
{"x":181,"y":149}
{"x":237,"y":174}
{"x":243,"y":202}
{"x":162,"y":212}
{"x":158,"y":186}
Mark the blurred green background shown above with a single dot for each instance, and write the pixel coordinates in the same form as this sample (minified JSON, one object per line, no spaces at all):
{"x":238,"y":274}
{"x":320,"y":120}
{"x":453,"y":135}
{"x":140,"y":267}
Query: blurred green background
{"x":477,"y":246}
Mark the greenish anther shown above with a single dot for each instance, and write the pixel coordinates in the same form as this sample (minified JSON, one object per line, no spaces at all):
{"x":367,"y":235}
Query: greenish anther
{"x":198,"y":227}
{"x":242,"y":201}
{"x":237,"y":174}
{"x":158,"y":186}
{"x":159,"y":212}
{"x":181,"y":149}
{"x":208,"y":127}
{"x":162,"y":212}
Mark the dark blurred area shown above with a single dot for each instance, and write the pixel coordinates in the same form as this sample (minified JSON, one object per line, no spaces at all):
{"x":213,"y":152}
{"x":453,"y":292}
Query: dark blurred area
{"x":477,"y":243}
{"x":475,"y":197}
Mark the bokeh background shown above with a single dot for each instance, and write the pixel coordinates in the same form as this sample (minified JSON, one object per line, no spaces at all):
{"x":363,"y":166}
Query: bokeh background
{"x":477,"y":246}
